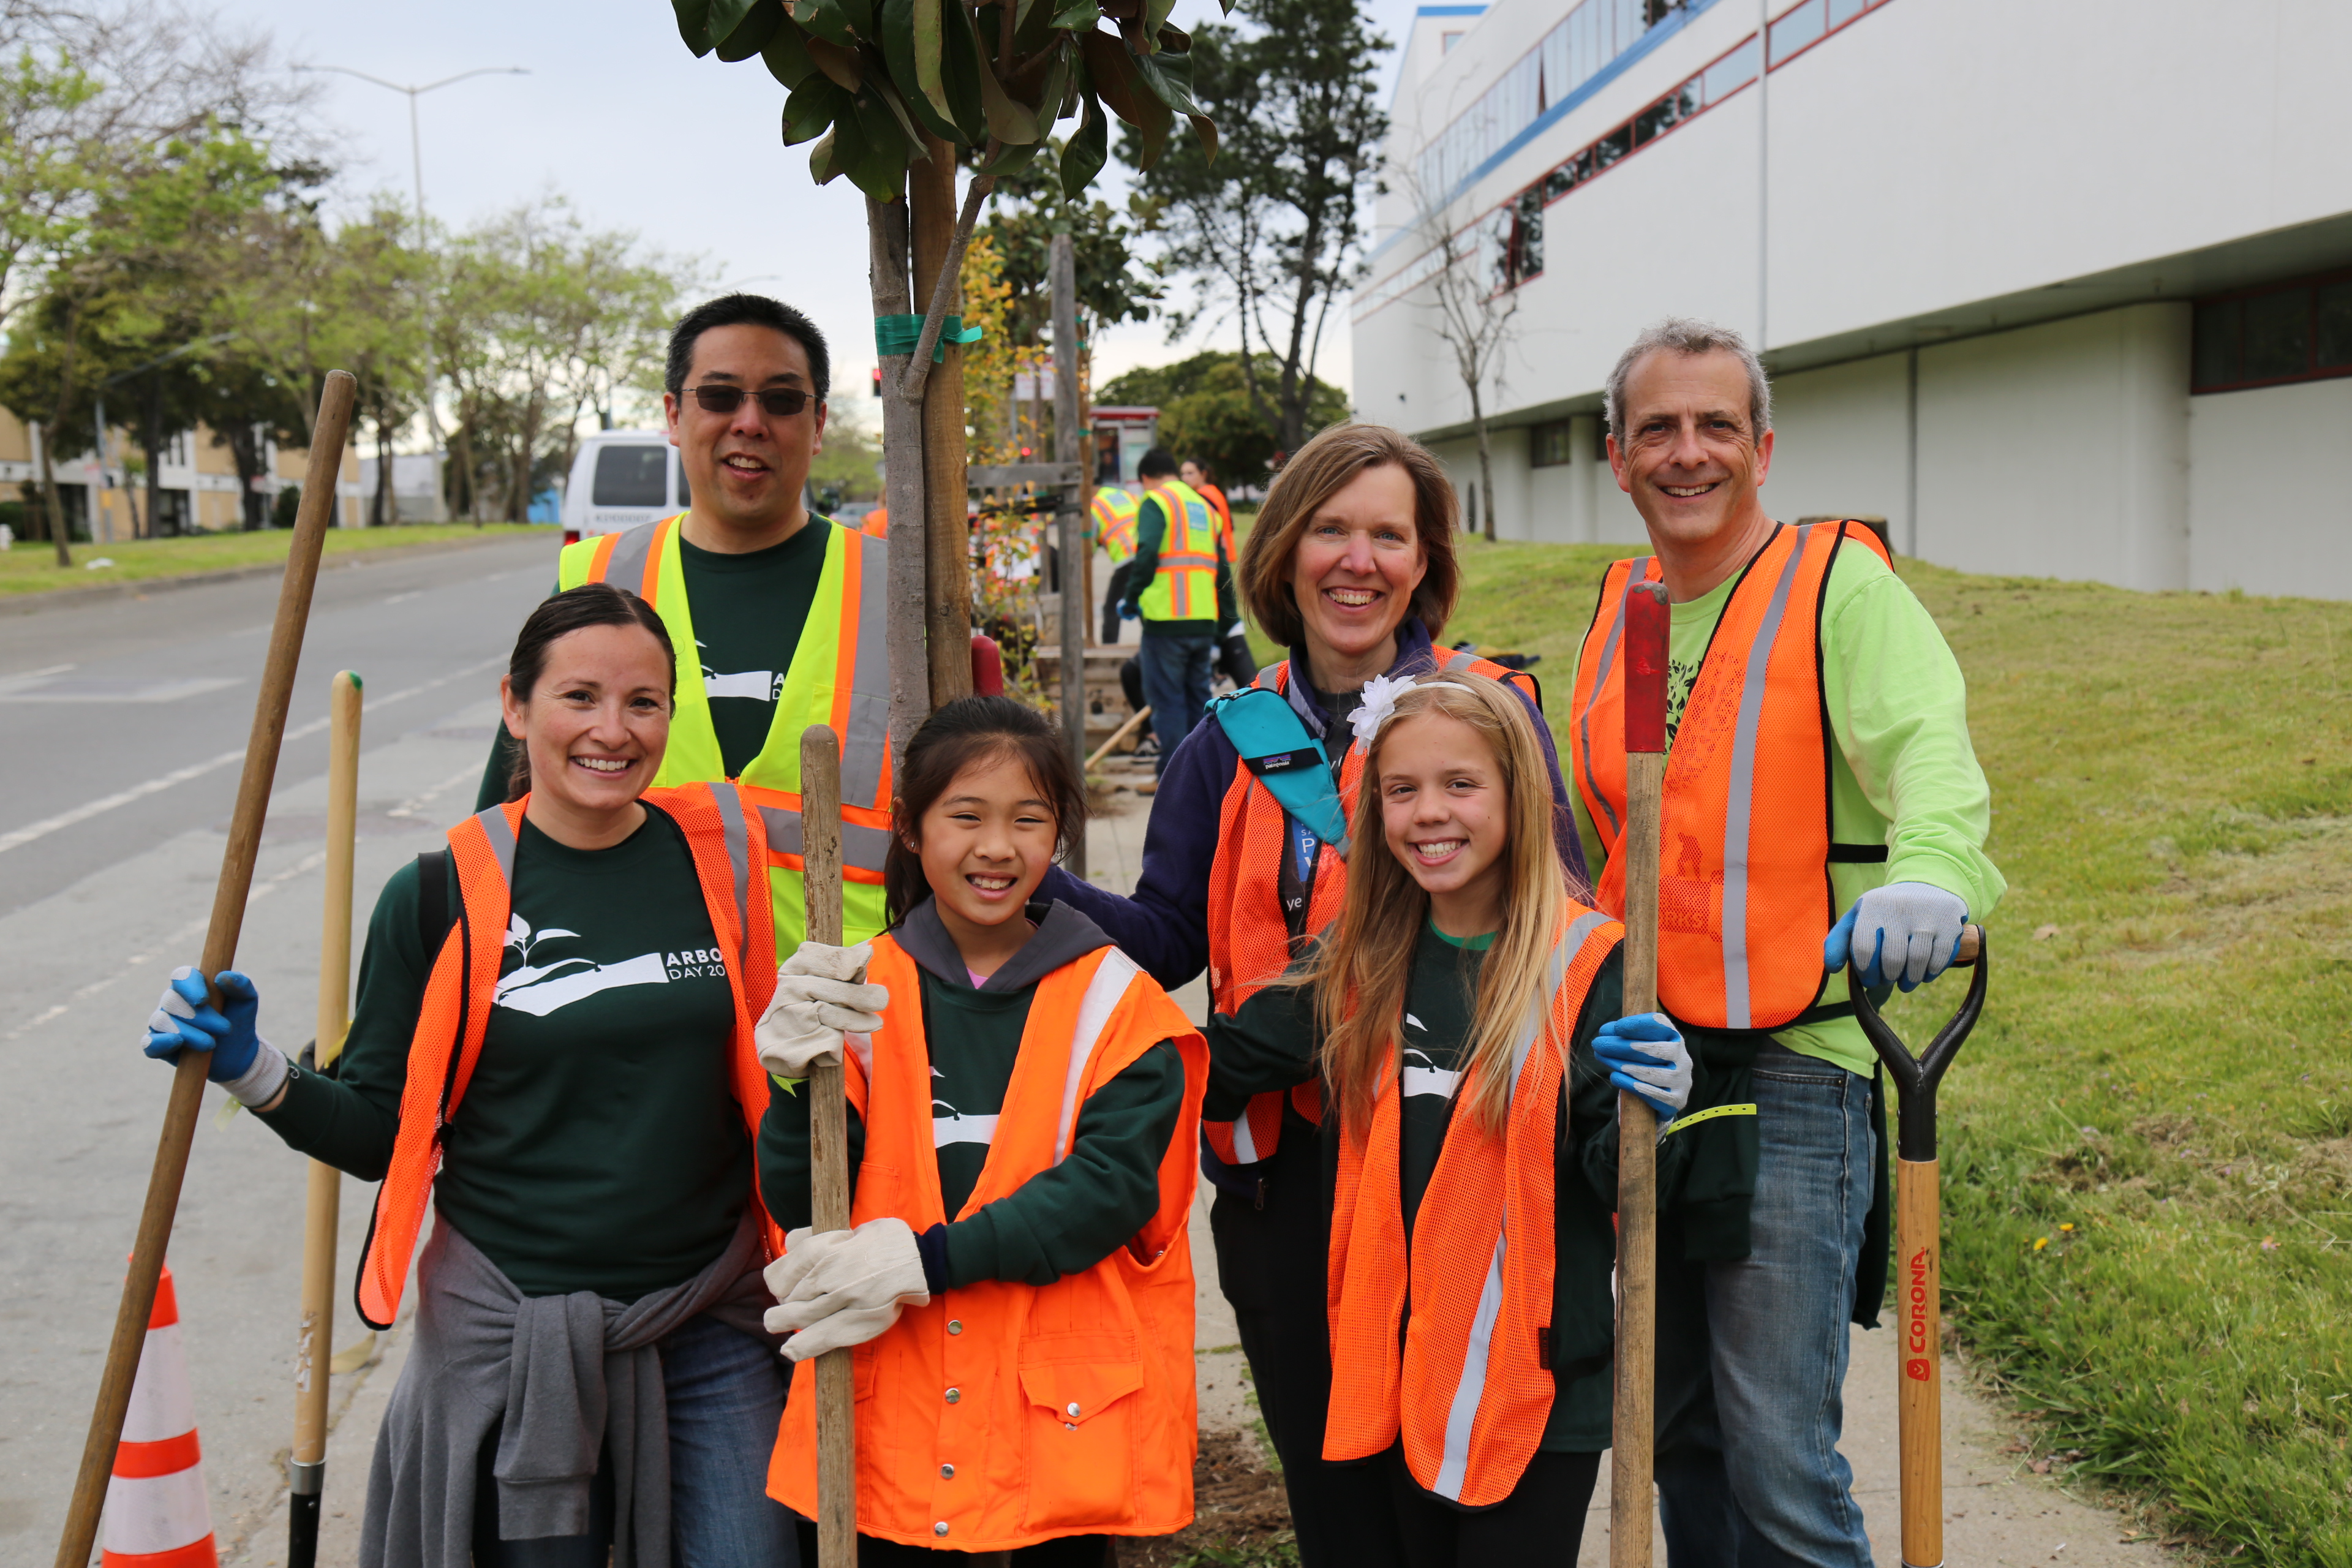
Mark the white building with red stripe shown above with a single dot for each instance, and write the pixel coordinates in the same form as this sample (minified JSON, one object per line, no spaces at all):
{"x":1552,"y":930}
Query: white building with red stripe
{"x":2055,"y":289}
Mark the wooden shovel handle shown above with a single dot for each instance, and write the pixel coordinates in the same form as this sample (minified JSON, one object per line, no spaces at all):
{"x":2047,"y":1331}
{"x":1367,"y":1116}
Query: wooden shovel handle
{"x":836,"y":1378}
{"x":162,"y":1202}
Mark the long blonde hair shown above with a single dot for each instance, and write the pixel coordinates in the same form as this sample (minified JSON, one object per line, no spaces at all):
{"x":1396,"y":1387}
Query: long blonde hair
{"x":1363,"y":967}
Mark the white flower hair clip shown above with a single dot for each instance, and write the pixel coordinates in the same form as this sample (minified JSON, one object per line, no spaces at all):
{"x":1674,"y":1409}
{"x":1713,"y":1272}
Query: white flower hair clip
{"x":1379,"y":705}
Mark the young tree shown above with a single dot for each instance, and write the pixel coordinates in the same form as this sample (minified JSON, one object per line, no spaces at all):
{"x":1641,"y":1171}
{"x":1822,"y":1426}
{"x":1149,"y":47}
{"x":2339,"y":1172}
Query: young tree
{"x":894,"y":95}
{"x":1270,"y":231}
{"x":1472,"y":299}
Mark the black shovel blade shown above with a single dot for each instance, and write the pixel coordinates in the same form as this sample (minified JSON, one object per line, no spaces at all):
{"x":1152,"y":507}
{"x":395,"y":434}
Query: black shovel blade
{"x":1915,"y":1078}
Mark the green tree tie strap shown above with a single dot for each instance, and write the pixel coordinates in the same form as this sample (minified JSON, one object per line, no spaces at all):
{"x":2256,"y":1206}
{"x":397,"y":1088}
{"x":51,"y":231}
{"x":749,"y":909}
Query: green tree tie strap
{"x":899,"y":334}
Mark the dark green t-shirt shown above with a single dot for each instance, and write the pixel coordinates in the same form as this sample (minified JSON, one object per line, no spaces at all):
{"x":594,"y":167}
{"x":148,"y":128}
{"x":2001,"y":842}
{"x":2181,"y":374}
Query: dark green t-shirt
{"x":599,"y":1146}
{"x":1438,"y":1000}
{"x":749,"y":613}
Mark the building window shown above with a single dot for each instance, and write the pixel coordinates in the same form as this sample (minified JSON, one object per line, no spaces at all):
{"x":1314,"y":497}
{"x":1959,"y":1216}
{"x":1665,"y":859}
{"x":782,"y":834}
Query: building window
{"x":1548,"y":445}
{"x":2265,"y":337}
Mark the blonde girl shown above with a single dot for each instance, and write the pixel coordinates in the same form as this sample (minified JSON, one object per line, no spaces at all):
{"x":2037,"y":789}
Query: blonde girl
{"x":1463,"y":1014}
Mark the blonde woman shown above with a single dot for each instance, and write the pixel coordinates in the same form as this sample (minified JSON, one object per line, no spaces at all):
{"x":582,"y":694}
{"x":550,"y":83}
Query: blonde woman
{"x":1462,"y":1012}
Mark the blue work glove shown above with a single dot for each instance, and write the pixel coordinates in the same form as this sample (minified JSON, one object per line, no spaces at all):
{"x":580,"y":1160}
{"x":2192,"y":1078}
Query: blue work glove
{"x":1646,"y":1057}
{"x":249,"y":1066}
{"x":1127,"y":611}
{"x":1903,"y":933}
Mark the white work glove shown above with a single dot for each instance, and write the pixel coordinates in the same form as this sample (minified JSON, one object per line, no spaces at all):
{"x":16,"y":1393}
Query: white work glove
{"x":1905,"y":932}
{"x":845,"y":1286}
{"x":820,"y":996}
{"x":1646,"y":1055}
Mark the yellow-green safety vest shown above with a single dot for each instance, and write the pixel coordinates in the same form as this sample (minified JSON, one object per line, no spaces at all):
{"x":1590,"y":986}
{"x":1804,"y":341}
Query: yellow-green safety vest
{"x":1184,"y":588}
{"x":1114,"y":511}
{"x":839,"y":676}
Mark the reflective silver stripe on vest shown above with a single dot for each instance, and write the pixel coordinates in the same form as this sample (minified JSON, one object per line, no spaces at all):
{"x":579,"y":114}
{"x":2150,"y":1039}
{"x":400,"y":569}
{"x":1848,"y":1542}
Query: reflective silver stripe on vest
{"x":862,"y":846}
{"x":502,"y":842}
{"x":1112,"y":980}
{"x":738,"y":862}
{"x":1462,"y":1415}
{"x":867,"y":747}
{"x":1456,"y":659}
{"x":1638,"y":572}
{"x":1740,"y":808}
{"x":625,"y":567}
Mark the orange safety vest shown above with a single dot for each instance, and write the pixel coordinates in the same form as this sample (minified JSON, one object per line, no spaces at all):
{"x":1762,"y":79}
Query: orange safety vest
{"x":1446,"y":1346}
{"x":1743,"y":894}
{"x":876,"y":523}
{"x":727,"y":843}
{"x":1216,"y":497}
{"x":1249,"y":941}
{"x":1004,"y":1415}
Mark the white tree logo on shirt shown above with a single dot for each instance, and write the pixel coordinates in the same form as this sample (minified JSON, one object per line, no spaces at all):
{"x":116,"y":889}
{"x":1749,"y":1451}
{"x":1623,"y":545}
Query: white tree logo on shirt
{"x":540,"y":989}
{"x":1421,"y":1075}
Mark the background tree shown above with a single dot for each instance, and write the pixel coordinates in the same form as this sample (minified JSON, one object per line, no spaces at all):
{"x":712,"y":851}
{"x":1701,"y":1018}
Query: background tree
{"x":1206,"y":411}
{"x":1473,"y":297}
{"x":1269,"y":231}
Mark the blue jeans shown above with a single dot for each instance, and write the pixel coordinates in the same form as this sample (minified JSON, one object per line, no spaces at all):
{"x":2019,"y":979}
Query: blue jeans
{"x":726,"y":1392}
{"x":1176,"y":684}
{"x":1752,"y":1355}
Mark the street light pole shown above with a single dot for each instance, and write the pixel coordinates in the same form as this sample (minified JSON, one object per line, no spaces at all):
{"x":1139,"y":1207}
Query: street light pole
{"x":417,"y":169}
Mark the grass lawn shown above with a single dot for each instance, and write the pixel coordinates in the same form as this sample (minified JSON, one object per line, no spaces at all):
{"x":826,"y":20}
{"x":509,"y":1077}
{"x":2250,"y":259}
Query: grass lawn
{"x":31,"y":567}
{"x":2147,"y":1142}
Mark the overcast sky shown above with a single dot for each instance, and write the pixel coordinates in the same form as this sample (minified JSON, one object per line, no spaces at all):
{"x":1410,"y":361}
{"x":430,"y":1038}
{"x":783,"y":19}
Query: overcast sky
{"x":617,"y":115}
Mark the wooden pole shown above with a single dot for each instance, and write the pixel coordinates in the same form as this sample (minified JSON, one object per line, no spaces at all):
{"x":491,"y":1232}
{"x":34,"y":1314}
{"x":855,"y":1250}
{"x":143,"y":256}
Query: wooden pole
{"x":836,"y":1378}
{"x":244,"y":846}
{"x":1134,"y":721}
{"x":1647,"y":622}
{"x":902,"y":484}
{"x":1076,"y":609}
{"x":314,"y":1341}
{"x":947,"y":546}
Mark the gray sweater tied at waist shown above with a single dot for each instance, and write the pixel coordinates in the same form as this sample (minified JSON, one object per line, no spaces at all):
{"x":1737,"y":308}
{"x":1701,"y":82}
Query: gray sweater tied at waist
{"x":561,"y":1379}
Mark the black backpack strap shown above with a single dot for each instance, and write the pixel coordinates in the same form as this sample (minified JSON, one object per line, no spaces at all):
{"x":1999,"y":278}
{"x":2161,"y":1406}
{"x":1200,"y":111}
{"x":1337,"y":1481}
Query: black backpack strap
{"x":433,"y":918}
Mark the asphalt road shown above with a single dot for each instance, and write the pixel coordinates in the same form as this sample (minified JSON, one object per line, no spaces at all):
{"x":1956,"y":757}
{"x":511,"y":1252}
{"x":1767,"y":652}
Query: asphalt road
{"x":127,"y":727}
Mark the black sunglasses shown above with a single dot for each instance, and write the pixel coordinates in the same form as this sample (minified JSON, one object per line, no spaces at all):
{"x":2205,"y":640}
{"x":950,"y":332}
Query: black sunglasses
{"x":776,"y":401}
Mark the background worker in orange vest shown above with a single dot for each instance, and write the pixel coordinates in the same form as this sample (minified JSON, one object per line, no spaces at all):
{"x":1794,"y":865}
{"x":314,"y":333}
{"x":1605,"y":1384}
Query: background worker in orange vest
{"x":1351,"y":565}
{"x":1023,"y":1105}
{"x":1465,"y":1012}
{"x":876,"y":523}
{"x":1819,"y":762}
{"x":592,"y":1185}
{"x":1181,"y":583}
{"x":1232,"y":648}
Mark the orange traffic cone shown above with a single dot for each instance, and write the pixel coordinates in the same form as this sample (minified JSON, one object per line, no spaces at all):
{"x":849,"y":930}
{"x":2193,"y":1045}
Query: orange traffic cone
{"x":157,"y":1515}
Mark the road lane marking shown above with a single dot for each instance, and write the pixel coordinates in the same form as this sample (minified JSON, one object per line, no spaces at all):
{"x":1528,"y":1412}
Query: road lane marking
{"x":90,"y":808}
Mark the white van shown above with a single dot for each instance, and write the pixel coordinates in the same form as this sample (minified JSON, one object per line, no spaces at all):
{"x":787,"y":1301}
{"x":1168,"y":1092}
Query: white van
{"x":621,"y":479}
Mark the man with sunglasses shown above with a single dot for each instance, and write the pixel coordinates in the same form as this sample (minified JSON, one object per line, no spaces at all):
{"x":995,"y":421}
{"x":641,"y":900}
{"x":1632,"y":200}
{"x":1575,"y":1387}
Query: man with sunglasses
{"x":777,"y":614}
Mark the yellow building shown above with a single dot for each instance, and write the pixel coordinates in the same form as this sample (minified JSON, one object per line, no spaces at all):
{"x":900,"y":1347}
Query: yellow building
{"x":197,"y":484}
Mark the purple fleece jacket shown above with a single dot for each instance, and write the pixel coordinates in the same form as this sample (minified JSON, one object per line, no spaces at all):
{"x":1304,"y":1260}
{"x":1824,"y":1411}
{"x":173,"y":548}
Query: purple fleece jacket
{"x":1165,"y":925}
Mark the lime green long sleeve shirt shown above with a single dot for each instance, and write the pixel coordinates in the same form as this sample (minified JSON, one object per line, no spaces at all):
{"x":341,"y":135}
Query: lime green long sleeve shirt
{"x":1904,"y":772}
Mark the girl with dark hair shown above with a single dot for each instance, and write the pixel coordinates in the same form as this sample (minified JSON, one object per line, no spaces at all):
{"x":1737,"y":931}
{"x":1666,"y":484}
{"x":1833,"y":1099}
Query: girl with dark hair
{"x":554,"y":1049}
{"x":1024,"y":1102}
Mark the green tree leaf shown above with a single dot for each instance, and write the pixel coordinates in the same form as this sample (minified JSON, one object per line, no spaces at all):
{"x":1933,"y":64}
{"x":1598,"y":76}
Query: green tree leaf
{"x":1155,"y":18}
{"x":694,"y":24}
{"x":1087,"y":150}
{"x":1015,"y":124}
{"x":751,"y":30}
{"x":881,"y":87}
{"x":1011,"y":158}
{"x":786,"y":56}
{"x":1113,"y":72}
{"x":817,"y":103}
{"x":960,"y":55}
{"x":824,"y":20}
{"x":1077,"y":16}
{"x":840,"y":65}
{"x":927,"y":41}
{"x":1169,"y":78}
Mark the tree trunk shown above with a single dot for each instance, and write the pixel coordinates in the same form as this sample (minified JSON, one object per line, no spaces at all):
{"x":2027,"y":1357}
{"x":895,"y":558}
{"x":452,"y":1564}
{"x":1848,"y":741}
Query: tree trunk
{"x":902,"y":483}
{"x":1486,"y":458}
{"x":60,"y":530}
{"x":53,"y":512}
{"x":382,"y":508}
{"x":947,"y":529}
{"x":151,"y":437}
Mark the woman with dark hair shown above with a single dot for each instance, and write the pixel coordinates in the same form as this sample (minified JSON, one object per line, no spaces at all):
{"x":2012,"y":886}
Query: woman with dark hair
{"x":1022,"y":1101}
{"x":1350,"y":565}
{"x":553,"y":1048}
